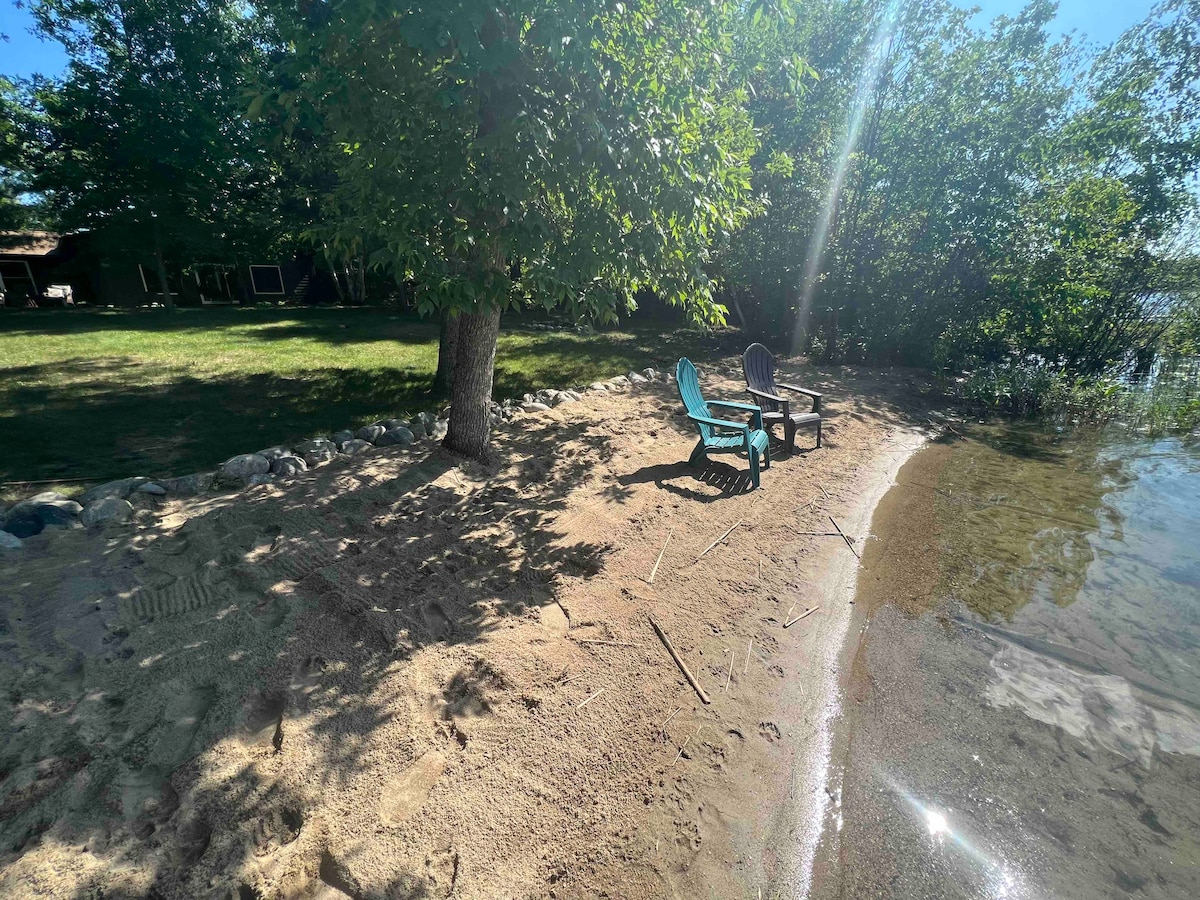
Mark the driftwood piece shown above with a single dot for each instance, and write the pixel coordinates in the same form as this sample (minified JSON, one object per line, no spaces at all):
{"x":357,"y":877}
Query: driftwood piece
{"x":844,"y":538}
{"x":746,"y":667}
{"x":805,"y":614}
{"x":721,"y":538}
{"x":654,"y":571}
{"x":663,"y":726}
{"x":687,"y":673}
{"x":606,"y":643}
{"x":729,"y":677}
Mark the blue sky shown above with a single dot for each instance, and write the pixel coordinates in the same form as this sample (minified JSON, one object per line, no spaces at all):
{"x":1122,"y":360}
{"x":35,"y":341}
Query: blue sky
{"x":1102,"y":20}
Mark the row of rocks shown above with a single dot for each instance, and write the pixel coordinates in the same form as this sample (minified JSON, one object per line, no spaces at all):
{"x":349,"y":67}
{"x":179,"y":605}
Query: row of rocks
{"x":115,"y":501}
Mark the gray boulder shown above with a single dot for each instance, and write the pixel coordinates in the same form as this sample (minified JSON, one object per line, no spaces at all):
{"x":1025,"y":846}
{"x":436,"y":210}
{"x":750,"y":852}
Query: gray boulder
{"x":288,"y":465}
{"x":121,"y":488}
{"x":563,"y":397}
{"x":9,"y":541}
{"x":259,"y":478}
{"x":150,"y":487}
{"x":598,"y":387}
{"x":439,"y":429}
{"x":635,"y":378}
{"x":389,"y":424}
{"x":426,"y":419}
{"x":650,"y":373}
{"x":319,"y":455}
{"x":24,"y":523}
{"x":105,"y":511}
{"x":245,"y":465}
{"x":534,"y":407}
{"x":417,"y":427}
{"x":340,"y":438}
{"x":355,"y":446}
{"x":317,"y":443}
{"x":59,"y":513}
{"x":399,"y":436}
{"x":187,"y":485}
{"x":274,"y":453}
{"x":371,"y":433}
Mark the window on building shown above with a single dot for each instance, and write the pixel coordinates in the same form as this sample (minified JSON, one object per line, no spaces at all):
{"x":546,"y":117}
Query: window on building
{"x":150,"y":280}
{"x":16,"y":281}
{"x":266,"y":279}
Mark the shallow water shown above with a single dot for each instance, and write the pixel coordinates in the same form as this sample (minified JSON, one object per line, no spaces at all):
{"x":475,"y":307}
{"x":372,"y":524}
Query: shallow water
{"x":1024,"y":714}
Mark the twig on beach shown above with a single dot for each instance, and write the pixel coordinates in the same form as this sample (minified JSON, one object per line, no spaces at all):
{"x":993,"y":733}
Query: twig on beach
{"x":687,"y":673}
{"x":606,"y":643}
{"x":685,"y":743}
{"x":819,"y":533}
{"x":789,"y":612}
{"x":825,"y":492}
{"x":654,"y":571}
{"x":746,"y":667}
{"x":807,"y":612}
{"x":721,"y":538}
{"x":760,"y":569}
{"x":663,"y":726}
{"x":729,"y":677}
{"x":572,"y":678}
{"x":844,"y":538}
{"x":591,"y":698}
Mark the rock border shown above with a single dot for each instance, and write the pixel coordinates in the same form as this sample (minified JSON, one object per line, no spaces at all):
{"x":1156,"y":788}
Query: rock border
{"x":114,"y":502}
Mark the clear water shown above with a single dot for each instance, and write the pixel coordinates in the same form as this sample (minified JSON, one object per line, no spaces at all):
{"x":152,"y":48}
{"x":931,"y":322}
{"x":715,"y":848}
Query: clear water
{"x":1036,"y":731}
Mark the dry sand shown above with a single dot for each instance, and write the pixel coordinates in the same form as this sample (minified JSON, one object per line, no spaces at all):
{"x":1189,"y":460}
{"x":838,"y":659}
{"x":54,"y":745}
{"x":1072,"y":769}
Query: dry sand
{"x":403,"y":675}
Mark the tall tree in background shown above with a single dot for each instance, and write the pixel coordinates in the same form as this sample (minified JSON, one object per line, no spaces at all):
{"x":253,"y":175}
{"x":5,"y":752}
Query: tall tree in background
{"x":565,"y":153}
{"x":146,"y":139}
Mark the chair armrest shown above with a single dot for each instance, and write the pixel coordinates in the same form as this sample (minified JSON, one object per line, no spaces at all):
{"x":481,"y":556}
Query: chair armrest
{"x":748,"y":407}
{"x":720,"y":423}
{"x":816,"y":397}
{"x":765,"y":396}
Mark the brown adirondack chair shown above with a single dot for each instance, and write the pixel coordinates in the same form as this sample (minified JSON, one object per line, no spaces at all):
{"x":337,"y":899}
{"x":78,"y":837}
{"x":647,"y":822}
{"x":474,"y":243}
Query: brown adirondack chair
{"x":758,"y":365}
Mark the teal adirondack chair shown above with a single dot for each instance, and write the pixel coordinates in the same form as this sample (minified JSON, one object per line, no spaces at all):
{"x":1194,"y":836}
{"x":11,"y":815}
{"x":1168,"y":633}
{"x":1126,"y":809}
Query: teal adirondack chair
{"x":715,"y":434}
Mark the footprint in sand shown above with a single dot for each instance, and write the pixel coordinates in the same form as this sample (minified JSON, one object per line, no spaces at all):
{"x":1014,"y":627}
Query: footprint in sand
{"x":436,"y":620}
{"x":407,"y":794}
{"x":554,"y":619}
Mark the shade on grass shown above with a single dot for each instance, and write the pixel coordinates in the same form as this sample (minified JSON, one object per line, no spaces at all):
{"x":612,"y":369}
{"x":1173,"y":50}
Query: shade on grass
{"x":97,"y":394}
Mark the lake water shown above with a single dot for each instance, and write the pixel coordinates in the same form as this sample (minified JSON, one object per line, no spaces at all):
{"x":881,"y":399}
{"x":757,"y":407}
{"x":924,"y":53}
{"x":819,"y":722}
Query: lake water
{"x":1023,"y":709}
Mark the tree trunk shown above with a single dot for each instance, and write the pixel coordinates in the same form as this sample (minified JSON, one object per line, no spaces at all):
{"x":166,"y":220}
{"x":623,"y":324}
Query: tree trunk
{"x":447,"y":352}
{"x":471,"y":392}
{"x":161,"y":267}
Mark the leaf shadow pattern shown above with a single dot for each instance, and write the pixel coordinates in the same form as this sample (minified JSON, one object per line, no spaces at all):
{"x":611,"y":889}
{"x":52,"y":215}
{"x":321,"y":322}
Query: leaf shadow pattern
{"x":369,"y":561}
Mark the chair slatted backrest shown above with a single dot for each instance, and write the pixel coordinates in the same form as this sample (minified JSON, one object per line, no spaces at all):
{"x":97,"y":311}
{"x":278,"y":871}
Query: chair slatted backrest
{"x":758,"y":365}
{"x":689,"y":393}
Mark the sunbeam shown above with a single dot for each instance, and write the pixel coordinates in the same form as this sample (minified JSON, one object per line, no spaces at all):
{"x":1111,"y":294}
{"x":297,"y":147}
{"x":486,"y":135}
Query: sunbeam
{"x":880,"y":43}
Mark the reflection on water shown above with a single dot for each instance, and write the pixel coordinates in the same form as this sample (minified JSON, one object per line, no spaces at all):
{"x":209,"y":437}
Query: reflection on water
{"x":1035,"y":732}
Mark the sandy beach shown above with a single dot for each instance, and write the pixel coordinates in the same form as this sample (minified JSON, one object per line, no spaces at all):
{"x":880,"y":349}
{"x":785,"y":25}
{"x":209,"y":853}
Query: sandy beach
{"x":403,"y":675}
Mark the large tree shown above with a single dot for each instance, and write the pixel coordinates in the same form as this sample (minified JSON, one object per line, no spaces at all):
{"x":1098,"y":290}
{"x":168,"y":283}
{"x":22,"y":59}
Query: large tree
{"x":146,"y":139}
{"x":566,"y":153}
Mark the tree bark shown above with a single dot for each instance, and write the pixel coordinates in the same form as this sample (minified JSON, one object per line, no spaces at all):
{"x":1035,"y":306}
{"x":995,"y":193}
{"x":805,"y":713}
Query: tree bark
{"x":471,"y":392}
{"x":447,"y":353}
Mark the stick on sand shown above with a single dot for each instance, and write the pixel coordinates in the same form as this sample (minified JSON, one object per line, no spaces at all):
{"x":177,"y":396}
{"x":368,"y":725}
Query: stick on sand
{"x":654,"y":571}
{"x":746,"y":667}
{"x":685,"y":743}
{"x":807,"y":612}
{"x":729,"y":678}
{"x":844,"y":538}
{"x":721,"y":538}
{"x":598,"y":641}
{"x":591,"y":698}
{"x":687,"y":673}
{"x":663,"y":726}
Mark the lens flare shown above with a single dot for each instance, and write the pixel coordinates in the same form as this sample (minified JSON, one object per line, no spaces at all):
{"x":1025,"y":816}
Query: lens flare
{"x":876,"y":57}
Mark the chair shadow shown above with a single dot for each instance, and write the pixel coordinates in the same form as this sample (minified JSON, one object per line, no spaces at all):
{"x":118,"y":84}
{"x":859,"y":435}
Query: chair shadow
{"x":729,"y":481}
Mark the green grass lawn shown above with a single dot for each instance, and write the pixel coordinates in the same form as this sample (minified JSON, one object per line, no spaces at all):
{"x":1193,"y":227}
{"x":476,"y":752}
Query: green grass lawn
{"x":100,"y":394}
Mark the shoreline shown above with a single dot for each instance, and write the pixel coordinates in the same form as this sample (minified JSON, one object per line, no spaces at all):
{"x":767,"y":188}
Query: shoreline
{"x":814,"y":779}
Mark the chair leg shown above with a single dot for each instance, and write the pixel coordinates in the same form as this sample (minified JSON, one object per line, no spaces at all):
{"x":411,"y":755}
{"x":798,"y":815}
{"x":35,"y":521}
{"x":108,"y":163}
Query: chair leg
{"x":767,"y":456}
{"x":789,"y":435}
{"x":697,"y":453}
{"x":818,"y":435}
{"x":754,"y":478}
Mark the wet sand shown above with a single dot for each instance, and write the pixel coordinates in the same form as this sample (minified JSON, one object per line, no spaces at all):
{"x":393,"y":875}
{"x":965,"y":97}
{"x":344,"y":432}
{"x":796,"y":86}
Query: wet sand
{"x":1021,"y":719}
